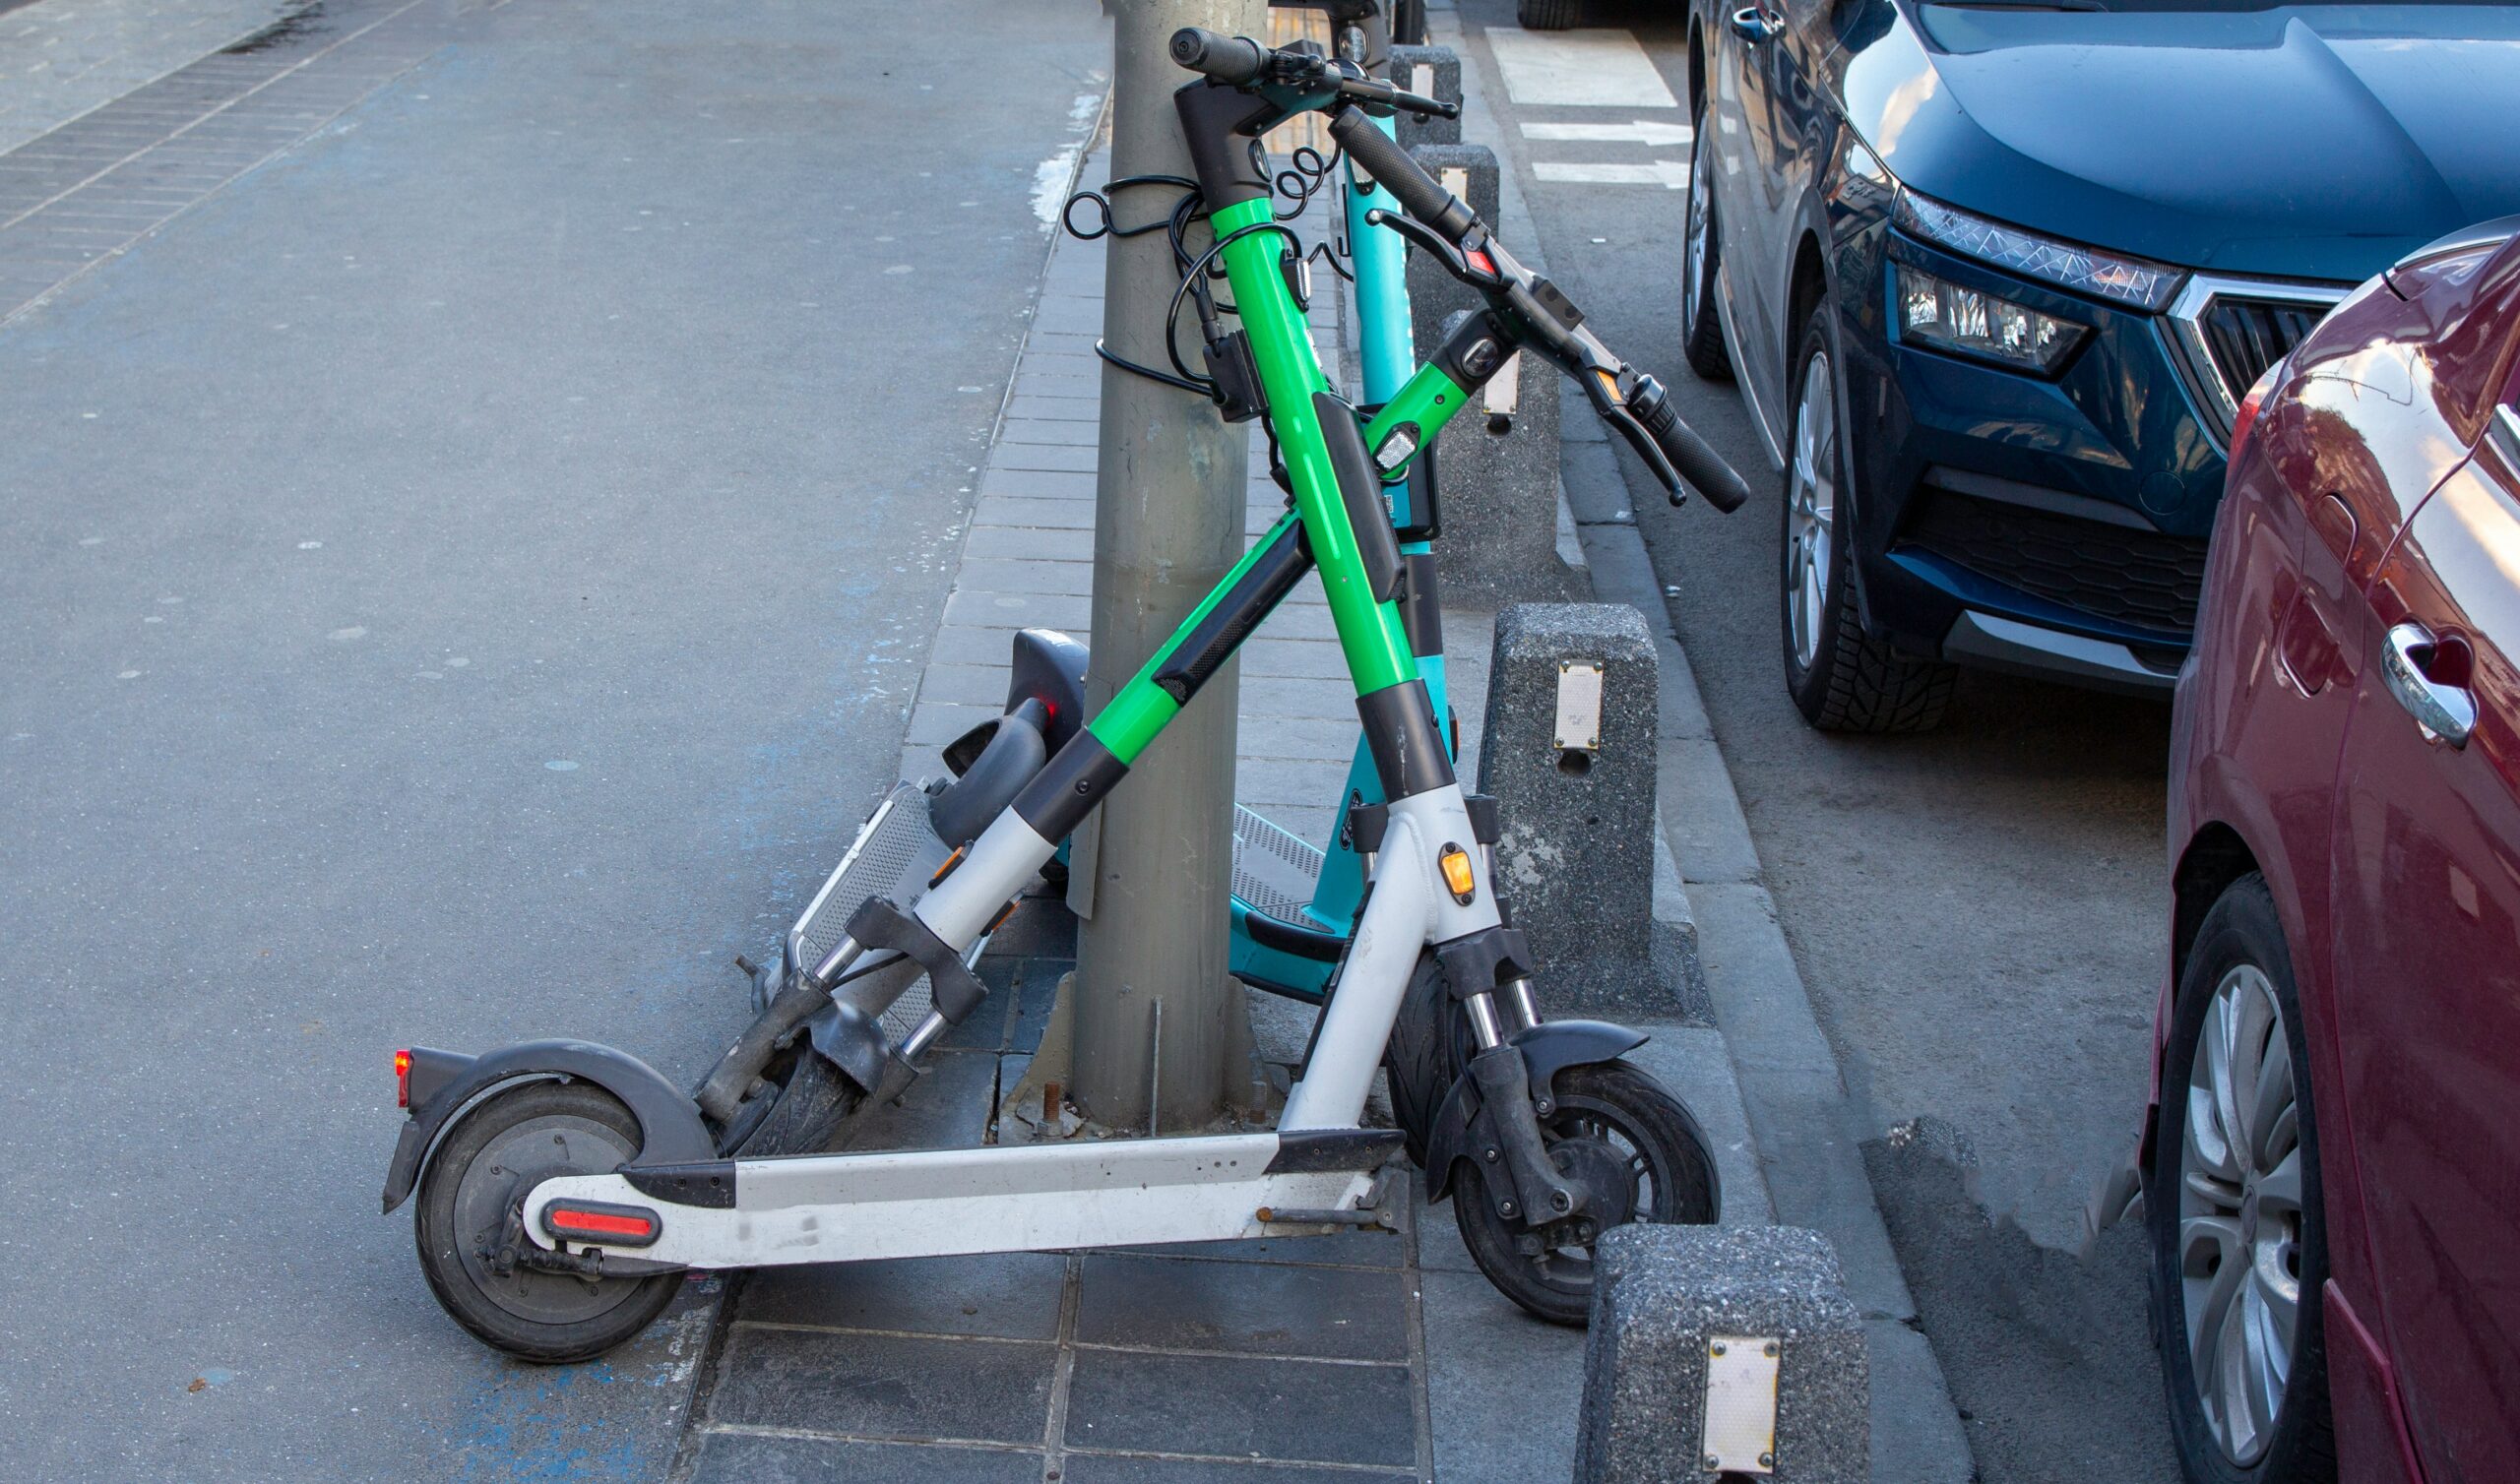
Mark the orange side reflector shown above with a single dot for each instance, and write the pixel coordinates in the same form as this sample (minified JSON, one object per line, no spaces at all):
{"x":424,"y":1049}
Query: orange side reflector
{"x":1456,"y":874}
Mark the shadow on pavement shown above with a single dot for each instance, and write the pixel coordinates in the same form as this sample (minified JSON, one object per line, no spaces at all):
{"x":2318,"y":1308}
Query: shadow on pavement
{"x":2059,"y":1380}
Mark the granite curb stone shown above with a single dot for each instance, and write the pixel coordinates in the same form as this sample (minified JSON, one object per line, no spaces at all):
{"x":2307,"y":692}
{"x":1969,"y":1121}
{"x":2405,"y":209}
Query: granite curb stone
{"x":1664,"y":1295}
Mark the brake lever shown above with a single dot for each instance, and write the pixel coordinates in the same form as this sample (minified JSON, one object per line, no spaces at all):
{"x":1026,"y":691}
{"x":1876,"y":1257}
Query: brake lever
{"x":1472,"y":265}
{"x":1374,"y":94}
{"x":1638,"y":438}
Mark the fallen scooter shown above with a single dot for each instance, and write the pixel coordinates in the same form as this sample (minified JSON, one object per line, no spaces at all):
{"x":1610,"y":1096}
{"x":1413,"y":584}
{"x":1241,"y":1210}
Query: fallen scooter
{"x":560,"y":1185}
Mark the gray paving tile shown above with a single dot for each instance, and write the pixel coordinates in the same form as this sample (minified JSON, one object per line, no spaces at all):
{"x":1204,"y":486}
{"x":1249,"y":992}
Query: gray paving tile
{"x":1003,"y":575}
{"x":1035,"y":992}
{"x":947,"y":1108}
{"x":965,"y":684}
{"x":1037,"y":432}
{"x":1018,"y":513}
{"x":752,"y":1459}
{"x":881,"y":1386}
{"x":1020,"y":610}
{"x":1301,"y":1411}
{"x":1037,"y":484}
{"x":1064,"y":457}
{"x":1309,"y":739}
{"x":1122,"y":1468}
{"x":1004,"y":1296}
{"x":1487,"y":1359}
{"x":1254,"y":1307}
{"x":1042,"y":544}
{"x":935,"y":724}
{"x":985,"y":1030}
{"x":1351,"y":1249}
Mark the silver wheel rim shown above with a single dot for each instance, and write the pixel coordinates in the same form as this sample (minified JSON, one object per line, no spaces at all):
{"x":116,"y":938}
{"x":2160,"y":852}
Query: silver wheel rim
{"x":1693,"y":243}
{"x":2239,"y":1214}
{"x":1811,"y":508}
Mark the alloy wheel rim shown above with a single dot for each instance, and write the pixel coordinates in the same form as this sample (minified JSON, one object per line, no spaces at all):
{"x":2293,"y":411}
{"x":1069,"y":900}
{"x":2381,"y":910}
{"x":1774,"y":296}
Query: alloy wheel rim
{"x":2239,"y":1214}
{"x":1812,"y":509}
{"x":1693,"y":243}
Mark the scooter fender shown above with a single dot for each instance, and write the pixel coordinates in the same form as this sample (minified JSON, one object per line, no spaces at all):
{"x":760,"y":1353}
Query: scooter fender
{"x":669,"y":1127}
{"x":1548,"y":1049}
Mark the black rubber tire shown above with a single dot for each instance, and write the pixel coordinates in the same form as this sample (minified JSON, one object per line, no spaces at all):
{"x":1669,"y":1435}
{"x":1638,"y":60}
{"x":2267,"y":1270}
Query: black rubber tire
{"x":1701,"y":325}
{"x":1547,"y":14}
{"x":1424,"y":1054}
{"x":1855,"y":683}
{"x":1559,"y":1287}
{"x":815,"y":1098}
{"x":2241,"y":928}
{"x":606,"y":1312}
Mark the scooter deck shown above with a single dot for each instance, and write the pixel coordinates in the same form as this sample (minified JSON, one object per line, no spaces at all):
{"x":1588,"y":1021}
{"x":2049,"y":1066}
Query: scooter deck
{"x":943,"y":1202}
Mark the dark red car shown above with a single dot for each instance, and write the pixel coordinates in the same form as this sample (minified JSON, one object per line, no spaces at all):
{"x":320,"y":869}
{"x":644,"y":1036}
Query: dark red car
{"x":2332,"y":1169}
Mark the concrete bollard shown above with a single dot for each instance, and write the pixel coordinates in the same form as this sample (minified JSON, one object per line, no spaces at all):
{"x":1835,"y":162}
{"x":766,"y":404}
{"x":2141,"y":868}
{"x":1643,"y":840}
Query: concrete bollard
{"x":1497,"y":464}
{"x":1722,"y":1352}
{"x":1568,"y":746}
{"x":1430,"y":72}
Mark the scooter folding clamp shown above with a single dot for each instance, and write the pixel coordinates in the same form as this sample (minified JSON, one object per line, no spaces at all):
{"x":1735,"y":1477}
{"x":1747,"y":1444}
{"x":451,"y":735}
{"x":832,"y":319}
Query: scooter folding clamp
{"x":877,"y":923}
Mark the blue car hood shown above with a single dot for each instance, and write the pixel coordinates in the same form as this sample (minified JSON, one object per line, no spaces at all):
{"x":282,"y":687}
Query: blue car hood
{"x":2313,"y":141}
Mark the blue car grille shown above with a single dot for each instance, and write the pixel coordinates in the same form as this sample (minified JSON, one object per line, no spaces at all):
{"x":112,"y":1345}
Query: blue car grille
{"x":2113,"y":573}
{"x":2247,"y":335}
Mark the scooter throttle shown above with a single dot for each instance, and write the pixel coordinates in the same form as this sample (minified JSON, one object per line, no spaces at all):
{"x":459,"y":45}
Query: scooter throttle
{"x":1702,"y":467}
{"x":1228,"y":59}
{"x":1418,"y":193}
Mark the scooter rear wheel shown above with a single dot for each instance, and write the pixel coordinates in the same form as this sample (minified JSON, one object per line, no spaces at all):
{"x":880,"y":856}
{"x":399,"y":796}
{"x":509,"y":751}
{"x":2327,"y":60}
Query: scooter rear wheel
{"x":1632,"y":1145}
{"x":469,"y":1197}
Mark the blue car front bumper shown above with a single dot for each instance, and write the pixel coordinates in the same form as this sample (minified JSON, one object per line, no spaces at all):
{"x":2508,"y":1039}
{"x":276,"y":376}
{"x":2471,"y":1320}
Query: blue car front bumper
{"x":2050,"y":525}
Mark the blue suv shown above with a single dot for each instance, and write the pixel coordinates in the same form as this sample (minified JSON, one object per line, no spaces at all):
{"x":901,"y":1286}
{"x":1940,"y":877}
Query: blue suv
{"x":1994,"y":279}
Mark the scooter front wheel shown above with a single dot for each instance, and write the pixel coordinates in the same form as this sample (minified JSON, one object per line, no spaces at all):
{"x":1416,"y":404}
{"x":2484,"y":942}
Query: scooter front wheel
{"x":1640,"y":1158}
{"x":470,"y":1237}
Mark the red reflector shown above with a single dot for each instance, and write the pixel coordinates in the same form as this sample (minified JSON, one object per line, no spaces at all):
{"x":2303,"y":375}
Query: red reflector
{"x":1481,"y":261}
{"x":604,"y":1223}
{"x":403,"y":1078}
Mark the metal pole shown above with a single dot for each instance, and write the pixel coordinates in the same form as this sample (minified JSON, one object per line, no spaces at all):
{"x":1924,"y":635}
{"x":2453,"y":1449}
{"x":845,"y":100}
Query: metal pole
{"x":1169,"y":522}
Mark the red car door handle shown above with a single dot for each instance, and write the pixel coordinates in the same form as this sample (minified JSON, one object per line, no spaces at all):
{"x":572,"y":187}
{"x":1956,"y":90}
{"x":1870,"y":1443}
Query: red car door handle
{"x":2445,"y":712}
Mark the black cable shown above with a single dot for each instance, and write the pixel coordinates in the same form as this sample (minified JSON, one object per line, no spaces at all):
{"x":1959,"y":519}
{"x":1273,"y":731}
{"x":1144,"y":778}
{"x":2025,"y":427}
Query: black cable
{"x":1174,"y":224}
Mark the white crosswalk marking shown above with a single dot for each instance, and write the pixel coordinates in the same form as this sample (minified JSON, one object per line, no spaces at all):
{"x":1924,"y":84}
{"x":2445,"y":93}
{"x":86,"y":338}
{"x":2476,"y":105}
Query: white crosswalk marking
{"x":1643,"y":131}
{"x":1578,"y":69}
{"x":1672,"y":174}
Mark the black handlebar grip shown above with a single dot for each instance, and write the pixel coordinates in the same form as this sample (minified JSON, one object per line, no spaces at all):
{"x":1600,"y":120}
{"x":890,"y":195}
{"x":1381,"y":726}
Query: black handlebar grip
{"x":1702,"y":467}
{"x":1418,"y":193}
{"x":1228,"y":59}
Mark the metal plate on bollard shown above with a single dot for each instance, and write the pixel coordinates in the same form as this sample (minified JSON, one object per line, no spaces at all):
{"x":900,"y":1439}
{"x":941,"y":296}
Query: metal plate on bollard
{"x":1739,"y":1431}
{"x":1579,"y":706}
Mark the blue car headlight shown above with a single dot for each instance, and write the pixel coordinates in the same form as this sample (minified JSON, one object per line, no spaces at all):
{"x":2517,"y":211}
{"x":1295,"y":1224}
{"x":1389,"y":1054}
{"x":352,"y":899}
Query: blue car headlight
{"x":2131,"y":281}
{"x":1946,"y":316}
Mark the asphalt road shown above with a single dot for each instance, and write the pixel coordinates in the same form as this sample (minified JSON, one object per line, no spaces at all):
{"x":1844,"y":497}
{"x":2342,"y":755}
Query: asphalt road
{"x":461,"y":580}
{"x":1979,"y":913}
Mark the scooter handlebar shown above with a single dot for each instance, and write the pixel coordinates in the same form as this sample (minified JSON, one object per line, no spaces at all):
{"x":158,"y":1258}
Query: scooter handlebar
{"x":1690,"y":457}
{"x":1228,"y":59}
{"x":1419,"y":194}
